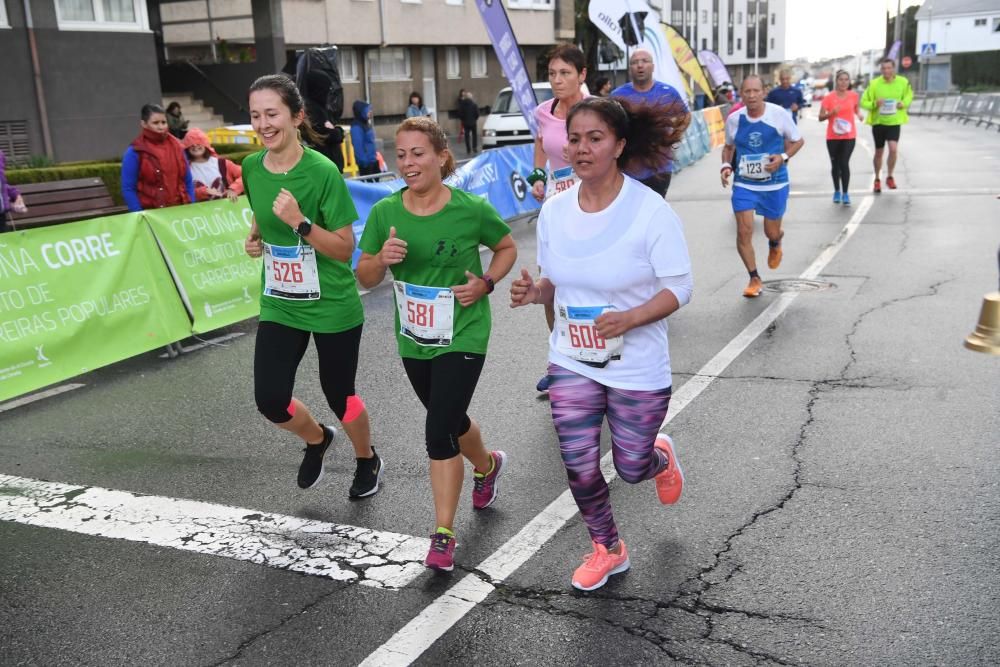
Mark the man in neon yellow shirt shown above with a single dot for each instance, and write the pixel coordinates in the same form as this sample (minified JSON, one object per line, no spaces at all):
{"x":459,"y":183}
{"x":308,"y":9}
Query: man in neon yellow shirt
{"x":886,"y":100}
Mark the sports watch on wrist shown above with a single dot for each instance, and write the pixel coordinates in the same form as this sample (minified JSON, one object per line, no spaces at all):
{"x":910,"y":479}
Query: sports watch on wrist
{"x":304,"y":227}
{"x":785,"y":157}
{"x":490,"y":284}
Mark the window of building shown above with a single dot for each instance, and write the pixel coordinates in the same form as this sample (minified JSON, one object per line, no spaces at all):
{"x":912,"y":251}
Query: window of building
{"x":477,"y":62}
{"x":104,"y":15}
{"x":773,"y":18}
{"x":996,"y":25}
{"x":348,"y":62}
{"x":676,"y":16}
{"x":455,"y":2}
{"x":704,"y":44}
{"x":530,"y":4}
{"x":411,"y":2}
{"x":389,"y":64}
{"x":453,"y":66}
{"x":772,"y":43}
{"x":739,"y":43}
{"x":980,"y":22}
{"x":704,"y":16}
{"x":739,"y":18}
{"x":3,"y":14}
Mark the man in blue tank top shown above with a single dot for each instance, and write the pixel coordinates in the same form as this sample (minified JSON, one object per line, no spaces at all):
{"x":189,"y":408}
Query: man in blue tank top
{"x":760,"y":140}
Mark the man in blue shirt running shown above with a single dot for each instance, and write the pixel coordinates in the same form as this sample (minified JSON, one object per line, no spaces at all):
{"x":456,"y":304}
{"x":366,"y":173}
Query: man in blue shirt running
{"x":644,"y":89}
{"x":787,"y":97}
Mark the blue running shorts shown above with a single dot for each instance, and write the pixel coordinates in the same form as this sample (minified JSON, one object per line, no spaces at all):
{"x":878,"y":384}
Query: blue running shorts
{"x":769,"y":203}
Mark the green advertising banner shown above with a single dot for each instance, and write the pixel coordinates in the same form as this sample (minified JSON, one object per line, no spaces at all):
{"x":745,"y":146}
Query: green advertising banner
{"x":203,"y":246}
{"x":79,"y":296}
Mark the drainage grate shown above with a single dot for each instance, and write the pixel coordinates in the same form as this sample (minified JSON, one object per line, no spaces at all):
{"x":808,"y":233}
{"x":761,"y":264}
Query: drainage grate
{"x":796,"y":285}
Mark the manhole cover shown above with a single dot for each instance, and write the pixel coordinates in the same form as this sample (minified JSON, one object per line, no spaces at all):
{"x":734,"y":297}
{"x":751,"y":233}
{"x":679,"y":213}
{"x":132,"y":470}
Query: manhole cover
{"x":796,"y":285}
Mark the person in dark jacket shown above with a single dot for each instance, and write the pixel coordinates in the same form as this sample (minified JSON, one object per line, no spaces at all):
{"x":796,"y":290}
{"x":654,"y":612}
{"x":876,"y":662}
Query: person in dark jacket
{"x":315,"y":92}
{"x":468,"y":113}
{"x":363,"y":139}
{"x":175,"y":120}
{"x":155,"y":170}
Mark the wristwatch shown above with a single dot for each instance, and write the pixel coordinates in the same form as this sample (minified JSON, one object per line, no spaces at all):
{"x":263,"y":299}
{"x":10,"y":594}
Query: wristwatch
{"x":785,"y":157}
{"x":304,"y":227}
{"x":490,"y":285}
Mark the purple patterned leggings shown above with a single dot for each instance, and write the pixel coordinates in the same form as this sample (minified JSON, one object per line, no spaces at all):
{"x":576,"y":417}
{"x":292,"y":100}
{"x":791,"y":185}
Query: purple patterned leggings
{"x":579,"y":405}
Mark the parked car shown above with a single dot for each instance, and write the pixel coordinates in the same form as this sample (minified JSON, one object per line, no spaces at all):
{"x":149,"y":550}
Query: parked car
{"x":505,"y":126}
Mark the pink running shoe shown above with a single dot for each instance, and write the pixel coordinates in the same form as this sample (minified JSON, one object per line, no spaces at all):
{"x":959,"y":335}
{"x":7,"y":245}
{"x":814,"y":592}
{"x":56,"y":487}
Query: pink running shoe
{"x":670,"y":481}
{"x":486,"y":488}
{"x":441,"y":555}
{"x":600,"y":565}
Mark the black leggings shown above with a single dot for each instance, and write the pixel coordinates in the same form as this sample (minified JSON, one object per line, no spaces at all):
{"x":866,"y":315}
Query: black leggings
{"x":470,"y":138}
{"x":445,"y":385}
{"x":840,"y":162}
{"x":276,"y":358}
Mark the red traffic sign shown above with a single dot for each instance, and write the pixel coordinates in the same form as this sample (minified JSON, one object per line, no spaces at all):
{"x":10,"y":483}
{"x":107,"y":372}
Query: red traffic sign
{"x":907,"y":61}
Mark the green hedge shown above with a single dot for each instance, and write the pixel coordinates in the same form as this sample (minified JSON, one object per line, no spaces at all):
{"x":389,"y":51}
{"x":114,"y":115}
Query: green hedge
{"x":109,"y":172}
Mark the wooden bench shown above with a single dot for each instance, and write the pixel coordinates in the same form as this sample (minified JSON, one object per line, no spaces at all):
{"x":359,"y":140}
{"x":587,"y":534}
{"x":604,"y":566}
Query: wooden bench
{"x":53,"y":202}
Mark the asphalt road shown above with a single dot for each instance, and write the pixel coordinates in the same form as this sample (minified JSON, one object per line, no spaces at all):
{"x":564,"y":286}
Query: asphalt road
{"x":841,"y":504}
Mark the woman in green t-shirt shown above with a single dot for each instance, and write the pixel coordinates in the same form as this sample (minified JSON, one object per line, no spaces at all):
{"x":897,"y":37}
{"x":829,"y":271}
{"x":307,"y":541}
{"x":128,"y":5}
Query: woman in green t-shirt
{"x":428,"y":234}
{"x":303,"y":217}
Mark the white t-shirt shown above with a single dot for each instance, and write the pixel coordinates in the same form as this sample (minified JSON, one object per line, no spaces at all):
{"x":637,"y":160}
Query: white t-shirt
{"x":614,"y":257}
{"x":207,"y":172}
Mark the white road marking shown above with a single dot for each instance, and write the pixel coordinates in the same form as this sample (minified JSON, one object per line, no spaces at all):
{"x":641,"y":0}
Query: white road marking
{"x":436,"y":619}
{"x":31,"y":398}
{"x":344,"y":553}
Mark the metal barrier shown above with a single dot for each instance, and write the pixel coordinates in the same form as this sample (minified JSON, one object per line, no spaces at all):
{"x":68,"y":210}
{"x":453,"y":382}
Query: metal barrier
{"x":980,"y":108}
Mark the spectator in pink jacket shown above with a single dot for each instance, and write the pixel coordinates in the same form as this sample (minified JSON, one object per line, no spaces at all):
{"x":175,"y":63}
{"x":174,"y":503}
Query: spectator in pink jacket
{"x":10,"y":198}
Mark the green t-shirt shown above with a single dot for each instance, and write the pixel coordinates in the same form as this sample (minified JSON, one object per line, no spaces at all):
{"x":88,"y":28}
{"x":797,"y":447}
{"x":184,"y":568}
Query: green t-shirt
{"x":880,"y":89}
{"x":317,"y":185}
{"x":440,"y":249}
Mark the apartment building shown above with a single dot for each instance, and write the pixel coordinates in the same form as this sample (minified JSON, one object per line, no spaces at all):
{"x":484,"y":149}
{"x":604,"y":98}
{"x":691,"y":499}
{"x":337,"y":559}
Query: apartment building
{"x":749,"y":35}
{"x":388,"y":48}
{"x":76,"y":72}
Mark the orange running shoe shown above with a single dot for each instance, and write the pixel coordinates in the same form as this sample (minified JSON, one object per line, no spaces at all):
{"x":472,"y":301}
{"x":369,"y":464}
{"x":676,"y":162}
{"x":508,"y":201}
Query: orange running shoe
{"x":600,"y":565}
{"x":890,"y":183}
{"x":670,"y":480}
{"x":877,"y":189}
{"x":754,"y":288}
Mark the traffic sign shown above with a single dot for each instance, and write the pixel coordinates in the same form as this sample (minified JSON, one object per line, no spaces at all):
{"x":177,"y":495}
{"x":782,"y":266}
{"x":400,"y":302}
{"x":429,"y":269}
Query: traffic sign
{"x":928,"y":50}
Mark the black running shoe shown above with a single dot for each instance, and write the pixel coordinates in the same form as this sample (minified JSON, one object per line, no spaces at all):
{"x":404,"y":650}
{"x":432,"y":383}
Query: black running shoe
{"x":311,"y":468}
{"x":367,"y":476}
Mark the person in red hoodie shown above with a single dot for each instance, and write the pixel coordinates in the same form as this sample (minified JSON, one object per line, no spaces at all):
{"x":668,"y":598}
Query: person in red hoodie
{"x":214,"y":177}
{"x":155,"y":171}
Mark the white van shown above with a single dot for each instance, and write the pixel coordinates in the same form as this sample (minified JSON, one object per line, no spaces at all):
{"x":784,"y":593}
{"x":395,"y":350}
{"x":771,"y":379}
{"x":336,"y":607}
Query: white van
{"x":505,"y":126}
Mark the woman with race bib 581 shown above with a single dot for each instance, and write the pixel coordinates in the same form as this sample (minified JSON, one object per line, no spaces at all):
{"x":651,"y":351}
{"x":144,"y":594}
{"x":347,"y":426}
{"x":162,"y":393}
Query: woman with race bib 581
{"x":428,"y":235}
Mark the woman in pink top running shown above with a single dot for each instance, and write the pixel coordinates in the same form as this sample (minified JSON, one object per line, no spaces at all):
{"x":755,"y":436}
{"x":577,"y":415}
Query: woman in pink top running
{"x":567,"y":74}
{"x":840,"y":109}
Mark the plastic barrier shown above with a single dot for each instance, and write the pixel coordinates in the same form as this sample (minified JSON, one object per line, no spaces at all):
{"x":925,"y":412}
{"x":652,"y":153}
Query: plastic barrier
{"x":80,"y":296}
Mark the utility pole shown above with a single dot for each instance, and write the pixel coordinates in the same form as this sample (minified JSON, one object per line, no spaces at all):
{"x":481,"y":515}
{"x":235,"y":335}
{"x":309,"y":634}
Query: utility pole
{"x":898,"y":32}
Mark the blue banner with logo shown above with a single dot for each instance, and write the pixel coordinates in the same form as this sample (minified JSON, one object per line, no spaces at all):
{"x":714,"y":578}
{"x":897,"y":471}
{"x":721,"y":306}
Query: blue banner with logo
{"x":505,"y":45}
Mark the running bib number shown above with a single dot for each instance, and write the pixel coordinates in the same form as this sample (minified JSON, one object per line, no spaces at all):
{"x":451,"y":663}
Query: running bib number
{"x":426,"y":314}
{"x":753,"y":167}
{"x":888,"y":107}
{"x":841,"y":126}
{"x":562,"y":179}
{"x":578,"y":338}
{"x":291,"y":272}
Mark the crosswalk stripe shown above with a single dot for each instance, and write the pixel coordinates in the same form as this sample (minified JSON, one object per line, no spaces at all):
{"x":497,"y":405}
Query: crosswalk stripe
{"x":345,"y":553}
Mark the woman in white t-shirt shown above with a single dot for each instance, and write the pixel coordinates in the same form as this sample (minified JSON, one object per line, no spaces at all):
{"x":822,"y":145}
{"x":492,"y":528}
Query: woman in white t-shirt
{"x":614,"y":264}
